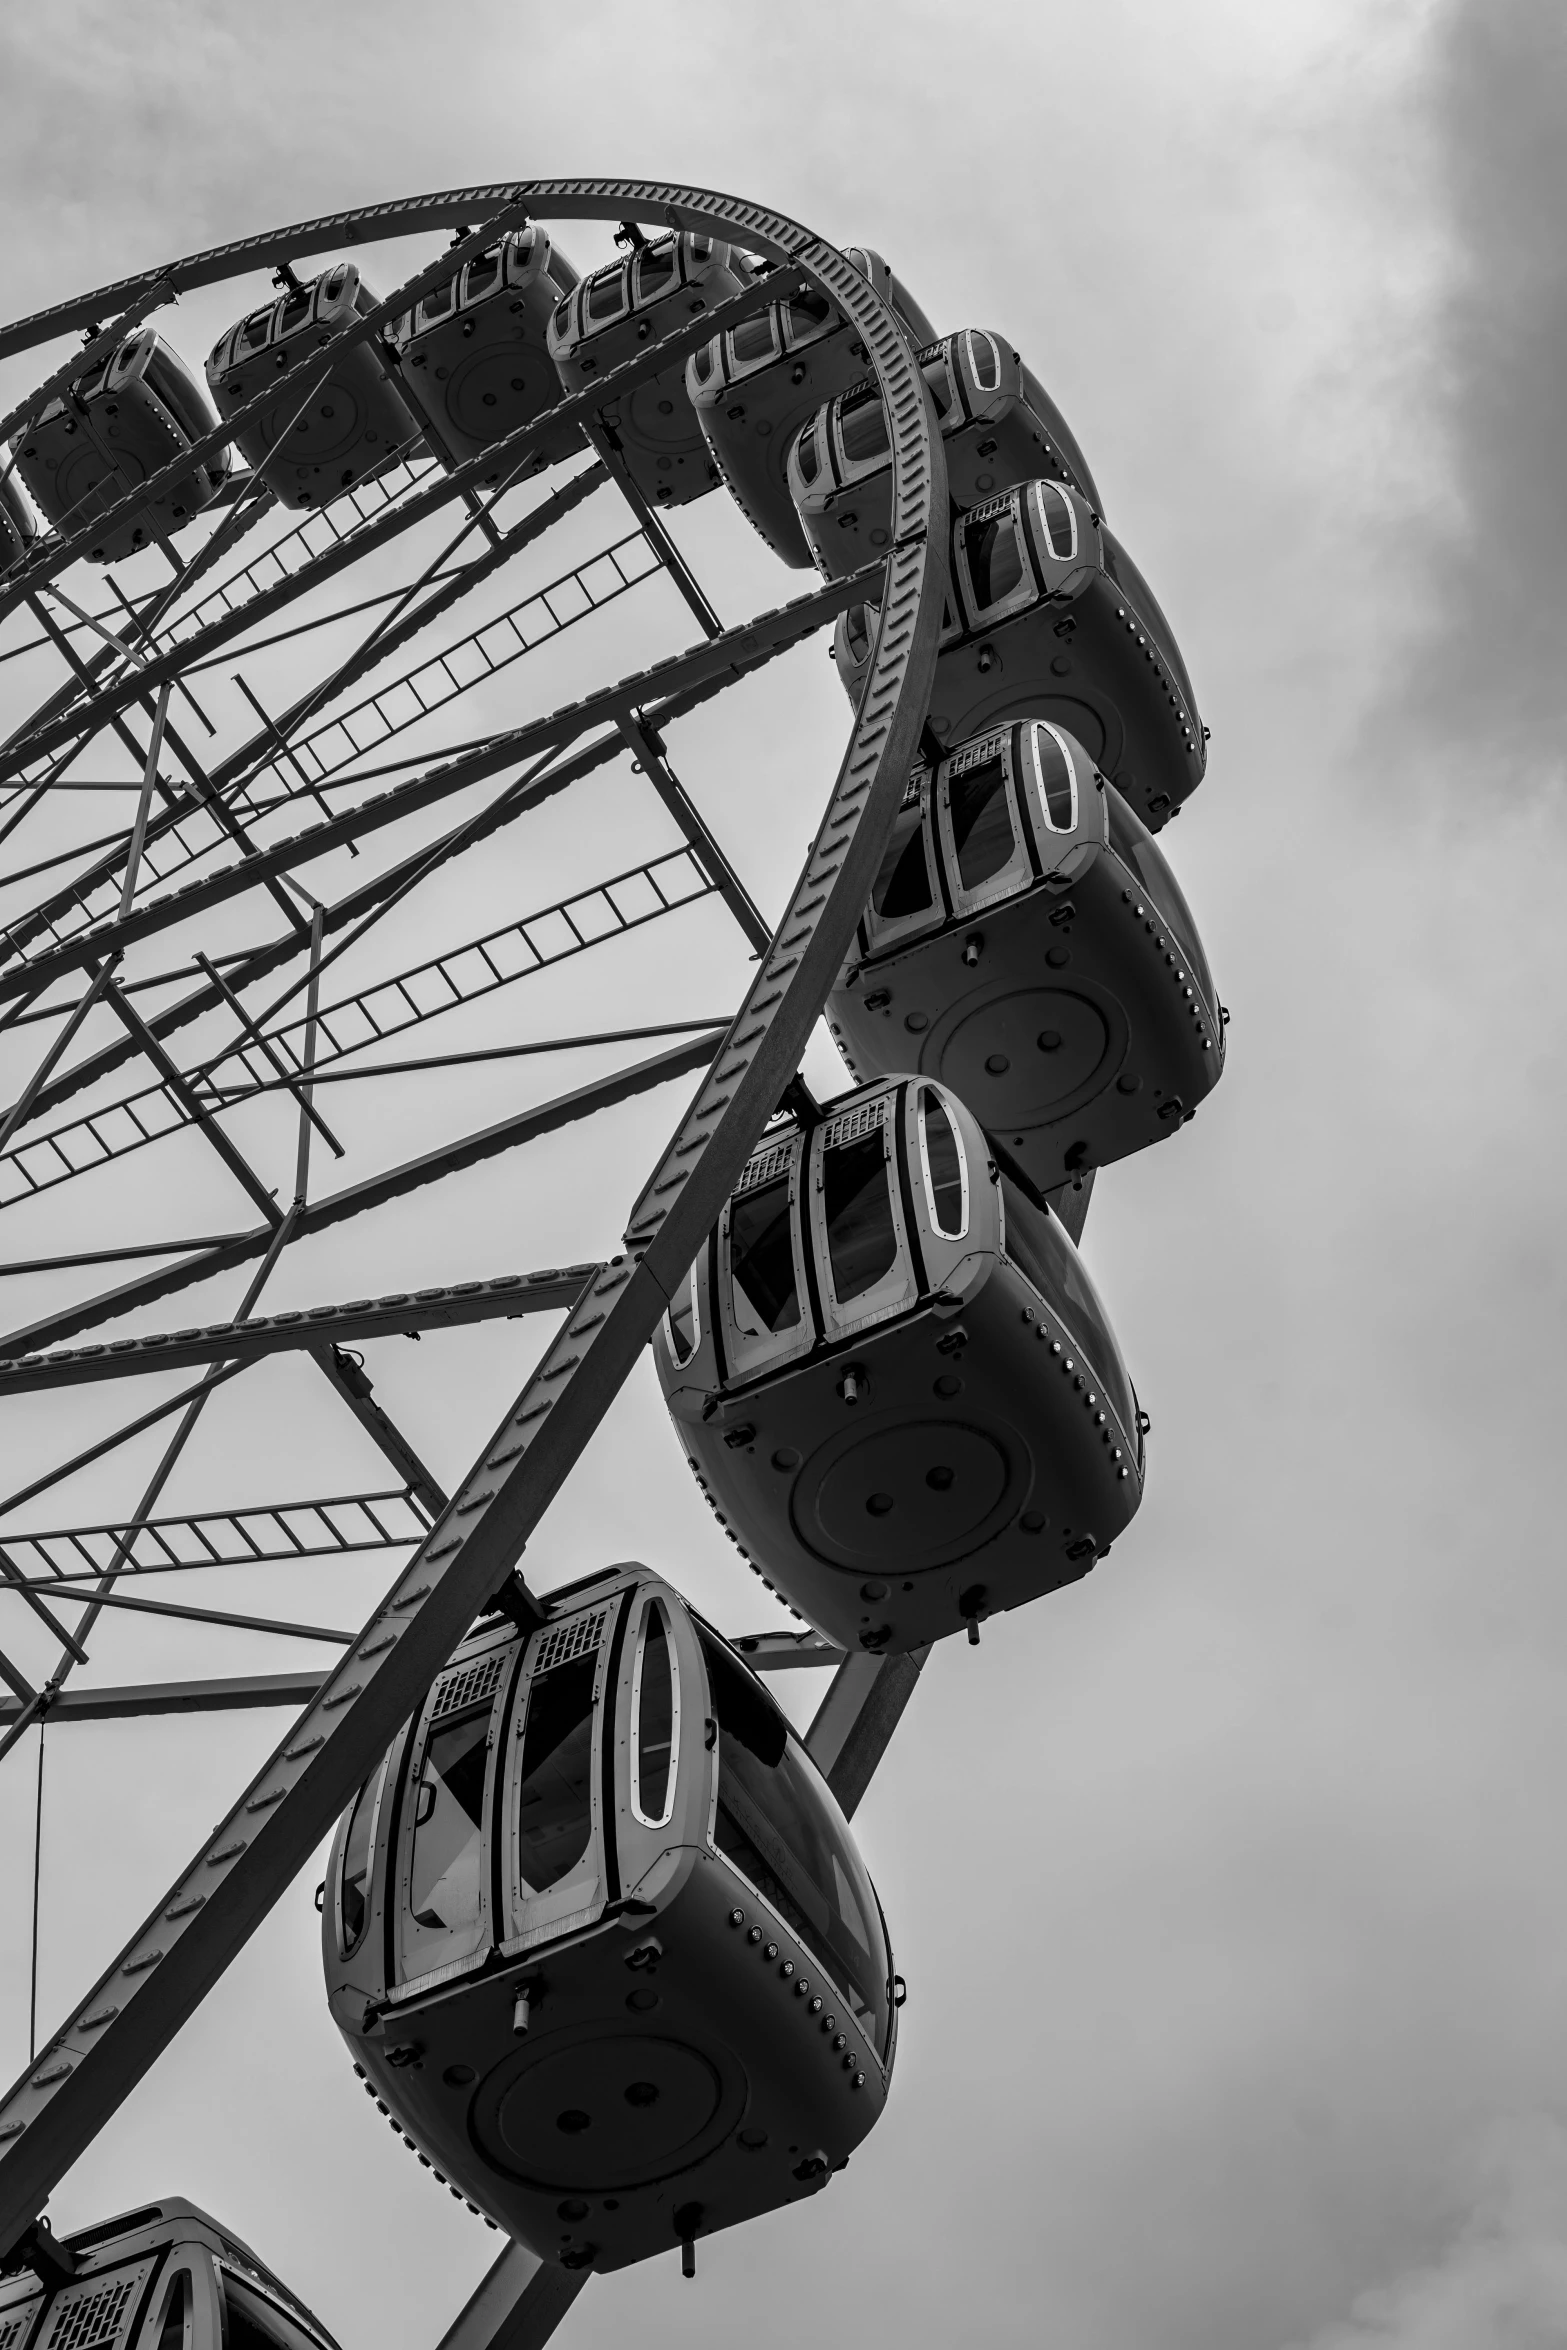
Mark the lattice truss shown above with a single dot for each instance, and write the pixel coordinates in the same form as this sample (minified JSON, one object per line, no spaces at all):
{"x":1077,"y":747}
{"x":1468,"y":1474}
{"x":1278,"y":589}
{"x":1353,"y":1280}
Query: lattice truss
{"x":318,"y":725}
{"x":331,"y":867}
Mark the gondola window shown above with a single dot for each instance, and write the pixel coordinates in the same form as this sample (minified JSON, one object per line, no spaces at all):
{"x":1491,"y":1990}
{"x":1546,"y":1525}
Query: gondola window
{"x":902,"y":887}
{"x":761,"y":1259}
{"x":449,"y":1824}
{"x":356,"y":1865}
{"x":779,"y":1825}
{"x":655,"y":1708}
{"x":554,"y":1797}
{"x":995,"y":560}
{"x":944,"y":1171}
{"x":862,"y":1243}
{"x":982,"y":836}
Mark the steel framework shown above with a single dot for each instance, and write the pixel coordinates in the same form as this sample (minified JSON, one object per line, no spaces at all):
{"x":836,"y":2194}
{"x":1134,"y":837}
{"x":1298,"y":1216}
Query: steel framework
{"x":240,"y":828}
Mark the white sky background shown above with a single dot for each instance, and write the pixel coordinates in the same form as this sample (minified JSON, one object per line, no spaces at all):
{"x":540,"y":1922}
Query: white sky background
{"x":1227,"y":1884}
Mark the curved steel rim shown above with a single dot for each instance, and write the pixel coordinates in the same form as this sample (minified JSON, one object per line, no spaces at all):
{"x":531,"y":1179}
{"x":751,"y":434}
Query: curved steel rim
{"x":87,"y":2068}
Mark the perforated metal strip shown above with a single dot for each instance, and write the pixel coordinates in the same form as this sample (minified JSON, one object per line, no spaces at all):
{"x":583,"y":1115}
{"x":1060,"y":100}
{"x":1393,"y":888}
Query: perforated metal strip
{"x":172,"y":1961}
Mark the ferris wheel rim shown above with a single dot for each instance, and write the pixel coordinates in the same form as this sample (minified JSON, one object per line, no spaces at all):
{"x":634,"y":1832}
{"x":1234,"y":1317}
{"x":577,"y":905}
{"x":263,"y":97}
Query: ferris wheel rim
{"x":53,"y":2111}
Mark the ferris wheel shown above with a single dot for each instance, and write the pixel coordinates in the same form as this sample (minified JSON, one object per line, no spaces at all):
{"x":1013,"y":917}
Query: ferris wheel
{"x":326,"y":623}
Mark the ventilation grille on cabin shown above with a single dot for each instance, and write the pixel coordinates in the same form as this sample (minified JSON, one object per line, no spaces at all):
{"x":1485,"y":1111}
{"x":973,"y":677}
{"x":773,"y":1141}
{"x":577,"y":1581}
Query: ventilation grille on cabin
{"x":472,"y":1686}
{"x":86,"y":2319}
{"x":865,"y":1120}
{"x":573,"y":1638}
{"x":765,"y":1166}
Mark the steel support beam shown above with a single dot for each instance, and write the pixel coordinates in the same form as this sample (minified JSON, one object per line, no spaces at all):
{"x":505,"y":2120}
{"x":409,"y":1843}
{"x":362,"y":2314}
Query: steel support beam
{"x":375,"y":1191}
{"x":381,"y":889}
{"x":509,"y":1294}
{"x":57,"y":2106}
{"x":699,"y":665}
{"x":518,"y":2305}
{"x":858,"y":1715}
{"x":174,"y":1697}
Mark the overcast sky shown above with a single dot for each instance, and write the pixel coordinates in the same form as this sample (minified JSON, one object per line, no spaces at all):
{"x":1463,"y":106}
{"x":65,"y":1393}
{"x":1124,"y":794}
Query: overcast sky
{"x":1228,"y":1884}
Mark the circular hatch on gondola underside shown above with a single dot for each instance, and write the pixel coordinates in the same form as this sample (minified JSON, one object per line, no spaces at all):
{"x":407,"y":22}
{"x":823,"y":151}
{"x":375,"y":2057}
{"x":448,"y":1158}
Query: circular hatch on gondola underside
{"x":1022,"y":1057}
{"x":604,"y":2109}
{"x":902,"y":1494}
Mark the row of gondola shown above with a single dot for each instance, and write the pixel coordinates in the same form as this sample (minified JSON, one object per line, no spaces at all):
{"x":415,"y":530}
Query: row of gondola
{"x":595,"y":1930}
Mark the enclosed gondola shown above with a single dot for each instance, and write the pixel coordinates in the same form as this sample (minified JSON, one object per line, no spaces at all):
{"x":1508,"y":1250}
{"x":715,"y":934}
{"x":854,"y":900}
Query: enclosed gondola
{"x":317,"y":438}
{"x":754,"y":387}
{"x":1050,"y":618}
{"x":474,"y":353}
{"x":999,"y":426}
{"x":893,"y":1379}
{"x":137,"y":411}
{"x":660,"y":284}
{"x":1027,"y":943}
{"x":166,"y":2277}
{"x":600,"y":1940}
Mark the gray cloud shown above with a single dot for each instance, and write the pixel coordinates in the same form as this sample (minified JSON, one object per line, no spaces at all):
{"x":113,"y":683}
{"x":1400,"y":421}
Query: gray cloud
{"x":1500,"y":2280}
{"x":1487,"y":665}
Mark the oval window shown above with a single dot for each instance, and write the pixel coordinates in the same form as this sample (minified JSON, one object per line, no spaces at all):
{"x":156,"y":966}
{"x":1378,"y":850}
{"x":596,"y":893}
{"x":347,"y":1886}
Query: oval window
{"x":655,"y":1704}
{"x":945,"y":1168}
{"x":1058,"y":783}
{"x":353,"y":1896}
{"x":1058,"y":518}
{"x":681,"y":1322}
{"x":807,"y":455}
{"x":985,"y":360}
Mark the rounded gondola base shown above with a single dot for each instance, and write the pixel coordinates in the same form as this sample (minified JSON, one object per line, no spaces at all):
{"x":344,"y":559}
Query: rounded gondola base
{"x":1027,"y":944}
{"x":893,"y":1379}
{"x":600,"y":1940}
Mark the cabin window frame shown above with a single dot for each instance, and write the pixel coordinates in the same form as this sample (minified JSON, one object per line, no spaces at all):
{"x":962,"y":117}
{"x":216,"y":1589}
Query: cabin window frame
{"x":586,"y":323}
{"x":818,"y":329}
{"x":403,"y":1976}
{"x":973,"y":337}
{"x":846,"y":469}
{"x":346,"y":1949}
{"x":195,"y":2267}
{"x":1052,"y":843}
{"x":292,"y":2320}
{"x":738,"y":370}
{"x":978,"y":617}
{"x":747,"y":1357}
{"x":823,"y":479}
{"x":898,"y":1288}
{"x":680,"y":275}
{"x":1017,"y":874}
{"x":653,"y":1603}
{"x":525,"y":1918}
{"x":695,"y":1294}
{"x":883,"y":934}
{"x":926,"y":1095}
{"x":1047,"y":550}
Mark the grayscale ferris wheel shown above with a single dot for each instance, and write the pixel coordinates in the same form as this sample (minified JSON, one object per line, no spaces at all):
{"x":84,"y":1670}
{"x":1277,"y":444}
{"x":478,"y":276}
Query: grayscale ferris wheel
{"x":338,"y":630}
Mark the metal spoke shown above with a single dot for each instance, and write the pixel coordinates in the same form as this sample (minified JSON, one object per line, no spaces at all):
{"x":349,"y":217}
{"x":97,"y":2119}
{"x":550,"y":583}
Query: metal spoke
{"x":508,"y":1295}
{"x":723,"y":655}
{"x":261,"y":1533}
{"x":467,"y":1559}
